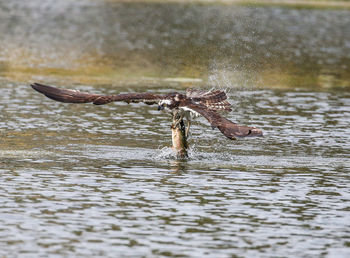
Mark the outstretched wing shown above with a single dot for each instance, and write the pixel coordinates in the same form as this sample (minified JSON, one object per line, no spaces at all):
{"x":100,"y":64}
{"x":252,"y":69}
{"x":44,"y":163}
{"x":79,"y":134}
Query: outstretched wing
{"x":74,"y":96}
{"x":227,"y":127}
{"x":202,"y":94}
{"x":214,"y":100}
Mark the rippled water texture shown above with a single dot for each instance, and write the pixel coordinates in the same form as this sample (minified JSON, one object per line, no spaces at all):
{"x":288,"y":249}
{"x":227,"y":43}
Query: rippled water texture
{"x":105,"y":42}
{"x":91,"y":181}
{"x":85,"y":180}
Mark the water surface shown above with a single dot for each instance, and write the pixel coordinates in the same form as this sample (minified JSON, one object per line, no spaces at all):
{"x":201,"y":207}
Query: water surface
{"x":112,"y":43}
{"x":85,"y":180}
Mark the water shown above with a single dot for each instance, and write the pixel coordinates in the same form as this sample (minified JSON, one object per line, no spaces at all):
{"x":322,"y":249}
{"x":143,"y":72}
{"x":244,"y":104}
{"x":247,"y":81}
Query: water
{"x":107,"y":42}
{"x":89,"y":181}
{"x":85,"y":180}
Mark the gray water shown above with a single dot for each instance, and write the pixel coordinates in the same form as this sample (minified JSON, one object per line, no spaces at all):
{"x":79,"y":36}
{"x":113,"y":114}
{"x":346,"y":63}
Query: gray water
{"x":91,"y":181}
{"x":82,"y":180}
{"x":251,"y":46}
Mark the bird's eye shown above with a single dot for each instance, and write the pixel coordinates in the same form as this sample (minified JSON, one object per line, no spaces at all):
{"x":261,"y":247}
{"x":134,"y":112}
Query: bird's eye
{"x":161,"y":107}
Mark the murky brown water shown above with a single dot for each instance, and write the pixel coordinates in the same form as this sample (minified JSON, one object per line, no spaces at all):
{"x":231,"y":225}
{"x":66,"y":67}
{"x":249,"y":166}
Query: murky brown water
{"x":85,"y":180}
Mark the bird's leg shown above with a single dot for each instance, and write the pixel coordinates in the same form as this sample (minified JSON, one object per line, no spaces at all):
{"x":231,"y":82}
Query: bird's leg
{"x":177,"y":118}
{"x":188,"y":124}
{"x":178,"y":121}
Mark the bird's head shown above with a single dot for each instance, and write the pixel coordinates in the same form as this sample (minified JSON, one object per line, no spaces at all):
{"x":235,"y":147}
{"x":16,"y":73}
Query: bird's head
{"x":171,"y":101}
{"x":164,"y":103}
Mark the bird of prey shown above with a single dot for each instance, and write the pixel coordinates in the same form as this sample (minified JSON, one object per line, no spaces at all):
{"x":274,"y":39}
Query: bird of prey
{"x":191,"y":104}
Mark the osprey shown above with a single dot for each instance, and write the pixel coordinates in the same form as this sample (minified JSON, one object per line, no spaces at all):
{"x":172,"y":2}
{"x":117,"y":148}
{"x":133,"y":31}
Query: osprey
{"x":193,"y":103}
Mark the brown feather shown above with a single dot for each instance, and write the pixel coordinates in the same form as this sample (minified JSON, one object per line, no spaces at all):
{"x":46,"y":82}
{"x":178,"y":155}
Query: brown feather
{"x":64,"y":95}
{"x":200,"y":94}
{"x":226,"y":127}
{"x":214,"y":100}
{"x":203,"y":102}
{"x":74,"y":96}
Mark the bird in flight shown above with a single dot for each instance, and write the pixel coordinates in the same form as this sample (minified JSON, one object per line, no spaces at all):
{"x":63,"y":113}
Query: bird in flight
{"x":191,"y":104}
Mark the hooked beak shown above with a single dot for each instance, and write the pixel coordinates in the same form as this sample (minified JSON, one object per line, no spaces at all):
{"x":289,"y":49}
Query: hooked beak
{"x":160,"y":107}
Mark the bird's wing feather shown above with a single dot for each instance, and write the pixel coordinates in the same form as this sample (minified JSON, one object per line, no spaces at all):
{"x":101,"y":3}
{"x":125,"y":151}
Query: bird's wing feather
{"x":74,"y":96}
{"x":214,"y":100}
{"x":226,"y":127}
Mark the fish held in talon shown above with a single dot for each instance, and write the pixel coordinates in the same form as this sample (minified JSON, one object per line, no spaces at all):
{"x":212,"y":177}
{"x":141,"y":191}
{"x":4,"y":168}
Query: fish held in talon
{"x":191,"y":104}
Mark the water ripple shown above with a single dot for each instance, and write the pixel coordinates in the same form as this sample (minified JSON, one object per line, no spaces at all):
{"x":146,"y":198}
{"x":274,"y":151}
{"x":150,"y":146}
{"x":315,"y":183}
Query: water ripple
{"x":81,"y":180}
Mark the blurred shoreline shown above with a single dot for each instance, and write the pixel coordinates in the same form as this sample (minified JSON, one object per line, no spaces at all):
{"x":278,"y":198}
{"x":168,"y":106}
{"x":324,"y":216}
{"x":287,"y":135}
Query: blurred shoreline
{"x":339,"y":4}
{"x":157,"y":43}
